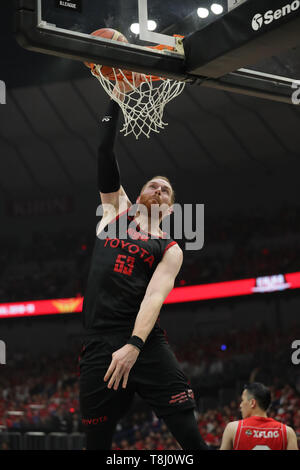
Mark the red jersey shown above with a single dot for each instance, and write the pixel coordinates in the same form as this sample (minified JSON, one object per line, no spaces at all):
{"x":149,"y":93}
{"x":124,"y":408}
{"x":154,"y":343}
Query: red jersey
{"x":258,"y":433}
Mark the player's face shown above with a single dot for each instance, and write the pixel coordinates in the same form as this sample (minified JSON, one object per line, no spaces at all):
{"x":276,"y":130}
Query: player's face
{"x":245,"y":405}
{"x":156,"y":192}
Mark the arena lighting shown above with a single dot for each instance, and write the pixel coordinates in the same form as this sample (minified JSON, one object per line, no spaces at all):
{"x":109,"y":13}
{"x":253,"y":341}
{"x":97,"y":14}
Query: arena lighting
{"x":202,"y":12}
{"x":216,"y":8}
{"x":135,"y":27}
{"x":259,"y":285}
{"x":152,"y":25}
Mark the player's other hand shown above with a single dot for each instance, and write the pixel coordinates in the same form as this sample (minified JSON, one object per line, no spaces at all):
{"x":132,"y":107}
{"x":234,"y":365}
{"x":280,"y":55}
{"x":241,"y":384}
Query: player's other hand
{"x":122,"y":361}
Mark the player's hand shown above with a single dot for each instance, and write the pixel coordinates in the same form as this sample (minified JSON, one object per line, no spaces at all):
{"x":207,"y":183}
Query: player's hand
{"x":122,"y":87}
{"x":122,"y":362}
{"x":120,"y":90}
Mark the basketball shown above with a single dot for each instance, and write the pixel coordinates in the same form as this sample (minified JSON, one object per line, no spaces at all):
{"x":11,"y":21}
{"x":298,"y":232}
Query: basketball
{"x":107,"y":33}
{"x":122,"y":86}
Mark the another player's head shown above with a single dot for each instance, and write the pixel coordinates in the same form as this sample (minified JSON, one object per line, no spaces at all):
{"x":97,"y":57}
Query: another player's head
{"x":158,"y":191}
{"x":256,"y":399}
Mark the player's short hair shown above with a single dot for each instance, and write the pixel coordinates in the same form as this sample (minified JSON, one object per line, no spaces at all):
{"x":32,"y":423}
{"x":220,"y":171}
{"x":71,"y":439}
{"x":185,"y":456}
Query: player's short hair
{"x":260,"y":393}
{"x":161,"y":178}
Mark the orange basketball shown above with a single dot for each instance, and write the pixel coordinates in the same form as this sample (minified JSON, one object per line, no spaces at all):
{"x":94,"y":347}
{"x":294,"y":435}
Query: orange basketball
{"x":107,"y":33}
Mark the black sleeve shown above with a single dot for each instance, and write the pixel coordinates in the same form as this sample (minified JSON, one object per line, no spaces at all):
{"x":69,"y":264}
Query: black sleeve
{"x":107,"y":166}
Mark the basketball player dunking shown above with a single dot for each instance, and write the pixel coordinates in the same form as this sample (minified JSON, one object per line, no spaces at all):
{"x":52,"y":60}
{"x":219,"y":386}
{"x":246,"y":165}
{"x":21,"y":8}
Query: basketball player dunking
{"x":256,"y":431}
{"x":124,"y":349}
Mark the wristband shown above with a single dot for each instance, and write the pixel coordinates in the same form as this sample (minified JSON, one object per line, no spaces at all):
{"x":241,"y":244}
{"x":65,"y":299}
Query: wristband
{"x":136,"y":341}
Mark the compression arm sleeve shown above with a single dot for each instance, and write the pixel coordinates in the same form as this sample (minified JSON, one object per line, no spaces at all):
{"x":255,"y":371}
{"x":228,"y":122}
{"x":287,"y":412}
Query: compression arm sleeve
{"x":107,"y":166}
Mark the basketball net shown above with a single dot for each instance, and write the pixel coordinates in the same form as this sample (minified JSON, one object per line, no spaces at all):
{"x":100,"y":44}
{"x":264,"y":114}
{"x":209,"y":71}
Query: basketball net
{"x":142,"y":98}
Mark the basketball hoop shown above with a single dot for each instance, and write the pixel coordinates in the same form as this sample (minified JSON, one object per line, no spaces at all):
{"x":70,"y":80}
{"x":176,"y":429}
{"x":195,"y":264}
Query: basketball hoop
{"x":142,"y":98}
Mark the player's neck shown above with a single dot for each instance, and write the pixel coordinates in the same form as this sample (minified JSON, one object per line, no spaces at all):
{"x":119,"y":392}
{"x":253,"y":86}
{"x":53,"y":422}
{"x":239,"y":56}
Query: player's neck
{"x":148,"y":224}
{"x":259,"y":414}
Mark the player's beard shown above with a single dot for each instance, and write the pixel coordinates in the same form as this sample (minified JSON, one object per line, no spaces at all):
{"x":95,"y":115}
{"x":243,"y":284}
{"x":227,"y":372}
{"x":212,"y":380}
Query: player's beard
{"x":150,"y":204}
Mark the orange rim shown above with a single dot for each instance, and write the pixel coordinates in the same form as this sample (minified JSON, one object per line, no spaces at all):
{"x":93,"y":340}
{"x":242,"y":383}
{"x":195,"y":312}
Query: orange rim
{"x":129,"y":75}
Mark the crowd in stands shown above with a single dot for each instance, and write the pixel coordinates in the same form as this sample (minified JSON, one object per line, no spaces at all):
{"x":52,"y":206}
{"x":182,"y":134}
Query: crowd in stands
{"x":235,"y":354}
{"x":56,"y":265}
{"x":41,"y":394}
{"x":154,"y":435}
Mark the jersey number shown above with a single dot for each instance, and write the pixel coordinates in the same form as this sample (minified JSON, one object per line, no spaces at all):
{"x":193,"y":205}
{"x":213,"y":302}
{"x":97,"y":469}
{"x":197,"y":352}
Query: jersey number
{"x":124,"y":264}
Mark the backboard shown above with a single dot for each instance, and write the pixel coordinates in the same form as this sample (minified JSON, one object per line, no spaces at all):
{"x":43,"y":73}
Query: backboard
{"x":143,"y":22}
{"x":229,"y":44}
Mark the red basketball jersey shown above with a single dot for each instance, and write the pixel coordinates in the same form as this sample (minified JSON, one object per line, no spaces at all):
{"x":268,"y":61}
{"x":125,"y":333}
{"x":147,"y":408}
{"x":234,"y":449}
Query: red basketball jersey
{"x":257,"y":433}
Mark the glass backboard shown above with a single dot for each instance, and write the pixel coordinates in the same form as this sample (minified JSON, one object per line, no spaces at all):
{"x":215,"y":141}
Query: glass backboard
{"x":64,"y":27}
{"x":150,"y":22}
{"x":143,"y":22}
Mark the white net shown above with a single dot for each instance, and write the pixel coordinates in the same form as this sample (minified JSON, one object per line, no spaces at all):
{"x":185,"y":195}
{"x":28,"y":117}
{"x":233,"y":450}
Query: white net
{"x":142,"y":98}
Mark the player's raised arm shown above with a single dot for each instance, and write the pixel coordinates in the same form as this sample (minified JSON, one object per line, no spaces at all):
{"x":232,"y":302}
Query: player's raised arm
{"x":108,"y":173}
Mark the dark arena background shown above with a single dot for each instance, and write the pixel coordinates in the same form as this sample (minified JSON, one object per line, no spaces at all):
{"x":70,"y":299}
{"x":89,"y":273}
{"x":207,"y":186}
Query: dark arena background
{"x":238,"y":155}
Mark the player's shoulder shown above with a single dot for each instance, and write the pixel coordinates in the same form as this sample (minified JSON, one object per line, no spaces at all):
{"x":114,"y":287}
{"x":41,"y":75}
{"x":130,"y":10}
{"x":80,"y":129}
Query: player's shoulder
{"x":173,"y":245}
{"x":231,"y":428}
{"x":229,"y":435}
{"x":292,"y":440}
{"x":276,"y":423}
{"x":290,"y":431}
{"x":173,"y":251}
{"x":232,"y":425}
